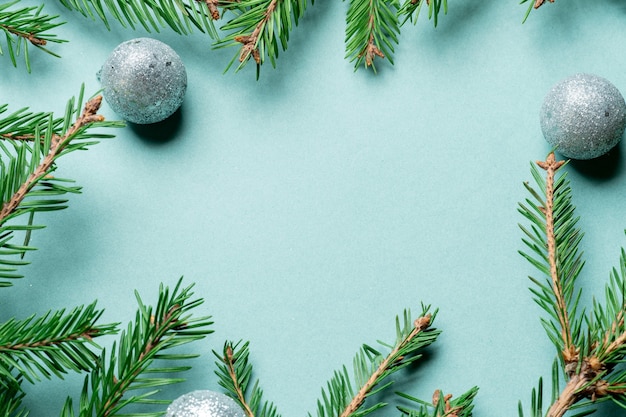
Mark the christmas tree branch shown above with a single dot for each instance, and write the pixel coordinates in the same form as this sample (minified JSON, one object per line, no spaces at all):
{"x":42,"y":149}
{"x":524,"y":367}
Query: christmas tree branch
{"x":180,"y":16}
{"x":26,"y":26}
{"x":371,"y":27}
{"x":51,"y":344}
{"x":441,"y":405}
{"x":145,"y":343}
{"x":57,"y":145}
{"x":391,"y":361}
{"x":30,"y":145}
{"x":589,"y":357}
{"x":234,"y":373}
{"x":570,"y":352}
{"x":259,"y":29}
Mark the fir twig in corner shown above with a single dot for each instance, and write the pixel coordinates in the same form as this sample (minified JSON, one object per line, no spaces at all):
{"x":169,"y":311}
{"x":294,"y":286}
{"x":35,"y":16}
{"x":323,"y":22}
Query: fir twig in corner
{"x":589,"y":346}
{"x":26,"y":26}
{"x":30,"y":146}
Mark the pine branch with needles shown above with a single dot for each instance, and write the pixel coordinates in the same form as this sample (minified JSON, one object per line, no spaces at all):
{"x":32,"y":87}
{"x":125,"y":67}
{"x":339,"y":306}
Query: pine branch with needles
{"x":181,"y":16}
{"x":24,"y":27}
{"x":50,"y":345}
{"x":144,"y":359}
{"x":30,"y":145}
{"x":590,"y":346}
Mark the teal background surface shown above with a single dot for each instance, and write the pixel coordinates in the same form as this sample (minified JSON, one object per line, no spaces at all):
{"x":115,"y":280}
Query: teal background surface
{"x":312,"y":206}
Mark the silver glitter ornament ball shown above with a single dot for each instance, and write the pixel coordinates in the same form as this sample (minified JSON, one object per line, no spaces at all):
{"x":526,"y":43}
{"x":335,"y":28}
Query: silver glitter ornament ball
{"x":583,"y":116}
{"x":204,"y":404}
{"x":143,"y":80}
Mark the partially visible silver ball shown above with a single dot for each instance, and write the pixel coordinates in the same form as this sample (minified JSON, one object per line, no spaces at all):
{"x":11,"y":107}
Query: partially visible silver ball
{"x":143,"y":80}
{"x":583,"y":116}
{"x":204,"y":403}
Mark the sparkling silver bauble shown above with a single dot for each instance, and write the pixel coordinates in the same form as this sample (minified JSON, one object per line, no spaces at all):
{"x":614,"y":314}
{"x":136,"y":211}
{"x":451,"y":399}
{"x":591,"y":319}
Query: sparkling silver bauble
{"x":583,"y":116}
{"x":143,"y":80}
{"x":204,"y":404}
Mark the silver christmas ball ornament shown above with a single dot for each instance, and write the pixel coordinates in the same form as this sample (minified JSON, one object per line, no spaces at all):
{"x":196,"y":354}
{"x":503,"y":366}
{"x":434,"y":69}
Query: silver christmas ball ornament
{"x":143,"y":80}
{"x":583,"y":116}
{"x":204,"y":403}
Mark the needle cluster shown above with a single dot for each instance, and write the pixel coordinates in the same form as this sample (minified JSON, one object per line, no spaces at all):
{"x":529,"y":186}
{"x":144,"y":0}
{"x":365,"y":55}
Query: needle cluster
{"x":591,"y":347}
{"x":24,"y":27}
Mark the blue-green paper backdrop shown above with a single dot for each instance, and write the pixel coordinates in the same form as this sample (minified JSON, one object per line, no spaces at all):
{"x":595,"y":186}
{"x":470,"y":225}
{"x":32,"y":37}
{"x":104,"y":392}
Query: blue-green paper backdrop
{"x":314,"y":205}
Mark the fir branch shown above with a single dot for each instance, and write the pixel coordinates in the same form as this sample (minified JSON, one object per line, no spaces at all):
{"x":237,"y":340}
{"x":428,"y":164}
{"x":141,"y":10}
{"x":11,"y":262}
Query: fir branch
{"x":145,"y":344}
{"x":411,"y":10}
{"x":30,"y":145}
{"x":11,"y":396}
{"x":441,"y":405}
{"x":371,"y":30}
{"x":372,"y":369}
{"x":553,"y":240}
{"x":590,"y":356}
{"x":26,"y":26}
{"x":533,"y":4}
{"x":179,"y":15}
{"x":260,"y":29}
{"x":234,"y":373}
{"x":51,"y":344}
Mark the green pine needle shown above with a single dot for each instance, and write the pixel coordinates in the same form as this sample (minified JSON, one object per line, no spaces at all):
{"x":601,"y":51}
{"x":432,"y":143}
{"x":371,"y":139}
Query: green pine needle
{"x":372,"y":29}
{"x":143,"y":359}
{"x":182,"y":16}
{"x":556,"y":293}
{"x":411,"y":9}
{"x":346,"y":397}
{"x":30,"y":145}
{"x":259,"y":29}
{"x":25,"y":27}
{"x":442,"y":405}
{"x":234,"y":373}
{"x":50,"y":345}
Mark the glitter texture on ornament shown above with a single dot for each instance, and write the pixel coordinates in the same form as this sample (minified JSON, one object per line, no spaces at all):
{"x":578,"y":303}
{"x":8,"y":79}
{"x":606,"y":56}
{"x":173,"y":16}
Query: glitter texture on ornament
{"x":204,"y":403}
{"x":143,"y":80}
{"x":583,"y":116}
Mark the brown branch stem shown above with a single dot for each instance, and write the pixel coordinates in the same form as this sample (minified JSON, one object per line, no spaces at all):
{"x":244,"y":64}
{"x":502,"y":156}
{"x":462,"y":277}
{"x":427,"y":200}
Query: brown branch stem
{"x":88,"y":334}
{"x":371,"y":50}
{"x":539,"y":3}
{"x":88,"y":116}
{"x":229,"y":359}
{"x":123,"y":382}
{"x":570,"y":352}
{"x":420,"y":324}
{"x":250,"y":41}
{"x":29,"y":36}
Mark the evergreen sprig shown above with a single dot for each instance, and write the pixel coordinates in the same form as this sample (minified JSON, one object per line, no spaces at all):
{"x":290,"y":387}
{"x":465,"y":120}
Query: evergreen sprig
{"x":591,"y":348}
{"x":234,"y":372}
{"x":441,"y":405}
{"x":346,"y":397}
{"x":371,"y":31}
{"x":533,"y":4}
{"x":50,"y":345}
{"x":182,"y":16}
{"x":26,"y":26}
{"x":144,"y":359}
{"x":260,"y":29}
{"x":11,"y":396}
{"x":30,"y":145}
